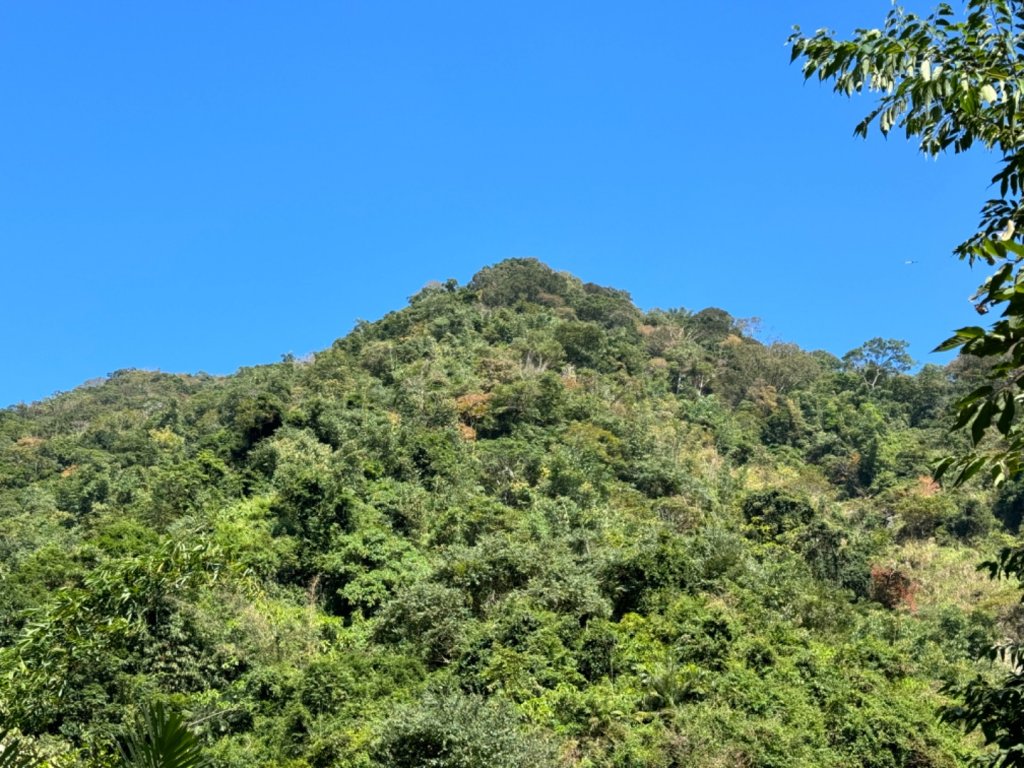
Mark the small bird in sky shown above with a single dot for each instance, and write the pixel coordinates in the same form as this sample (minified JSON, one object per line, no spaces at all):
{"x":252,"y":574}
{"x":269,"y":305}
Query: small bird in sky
{"x":910,"y":261}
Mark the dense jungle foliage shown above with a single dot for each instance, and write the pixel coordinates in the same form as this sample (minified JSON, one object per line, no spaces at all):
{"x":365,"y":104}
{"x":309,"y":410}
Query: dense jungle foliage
{"x":517,"y":523}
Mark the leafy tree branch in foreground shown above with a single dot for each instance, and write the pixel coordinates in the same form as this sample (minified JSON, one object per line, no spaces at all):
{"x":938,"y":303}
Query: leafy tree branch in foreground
{"x":951,"y":81}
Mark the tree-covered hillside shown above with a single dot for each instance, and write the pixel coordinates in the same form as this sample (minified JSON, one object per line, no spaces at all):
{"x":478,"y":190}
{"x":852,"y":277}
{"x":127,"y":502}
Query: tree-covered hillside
{"x":517,"y":523}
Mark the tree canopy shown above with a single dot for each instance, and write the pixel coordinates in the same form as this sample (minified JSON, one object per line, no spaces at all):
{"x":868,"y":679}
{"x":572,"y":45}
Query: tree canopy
{"x":501,"y":525}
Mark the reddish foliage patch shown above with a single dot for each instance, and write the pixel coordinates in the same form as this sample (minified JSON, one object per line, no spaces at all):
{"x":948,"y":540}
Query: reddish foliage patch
{"x":926,"y":486}
{"x":472,"y":406}
{"x":892,"y":587}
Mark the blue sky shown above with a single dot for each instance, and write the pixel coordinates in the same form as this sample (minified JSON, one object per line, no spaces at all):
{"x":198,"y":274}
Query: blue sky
{"x":200,"y":186}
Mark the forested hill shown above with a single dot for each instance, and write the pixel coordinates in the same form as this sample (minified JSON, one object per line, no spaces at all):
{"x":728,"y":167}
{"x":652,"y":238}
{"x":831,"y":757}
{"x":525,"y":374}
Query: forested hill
{"x":516,"y":523}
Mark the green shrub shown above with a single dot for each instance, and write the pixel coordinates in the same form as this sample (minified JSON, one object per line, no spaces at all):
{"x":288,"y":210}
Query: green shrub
{"x":457,"y":730}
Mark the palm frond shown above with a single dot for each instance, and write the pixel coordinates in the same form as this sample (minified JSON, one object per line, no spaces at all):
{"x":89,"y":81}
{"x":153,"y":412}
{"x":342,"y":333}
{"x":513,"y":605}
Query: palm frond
{"x":15,"y":753}
{"x":159,"y":740}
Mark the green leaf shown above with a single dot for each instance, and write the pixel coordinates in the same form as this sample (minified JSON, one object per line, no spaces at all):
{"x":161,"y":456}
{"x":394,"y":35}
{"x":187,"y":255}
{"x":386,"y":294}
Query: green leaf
{"x":977,"y":394}
{"x":964,"y":415}
{"x":942,"y":467}
{"x":961,"y":337}
{"x":951,"y":343}
{"x":1006,"y":417}
{"x":1015,"y":247}
{"x":970,"y":470}
{"x":982,"y":421}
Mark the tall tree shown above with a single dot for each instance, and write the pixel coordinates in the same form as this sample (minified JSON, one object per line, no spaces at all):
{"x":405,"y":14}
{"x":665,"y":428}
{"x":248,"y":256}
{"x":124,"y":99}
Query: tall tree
{"x":877,"y":359}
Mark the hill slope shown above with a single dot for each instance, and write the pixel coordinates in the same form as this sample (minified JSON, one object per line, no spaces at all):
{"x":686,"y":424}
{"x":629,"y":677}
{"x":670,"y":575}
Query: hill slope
{"x":518,"y":522}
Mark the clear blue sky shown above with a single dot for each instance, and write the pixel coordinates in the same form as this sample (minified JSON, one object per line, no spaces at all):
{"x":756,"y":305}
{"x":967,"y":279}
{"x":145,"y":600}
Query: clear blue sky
{"x":204,"y":185}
